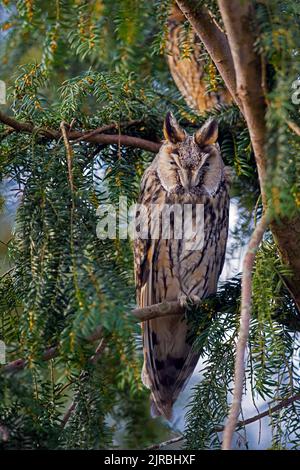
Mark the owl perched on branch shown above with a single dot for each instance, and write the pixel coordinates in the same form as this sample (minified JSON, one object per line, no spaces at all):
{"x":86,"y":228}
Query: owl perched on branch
{"x":187,"y":171}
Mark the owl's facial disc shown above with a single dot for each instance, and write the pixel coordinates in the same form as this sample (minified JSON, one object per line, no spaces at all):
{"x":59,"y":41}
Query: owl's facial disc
{"x":190,"y":153}
{"x":189,"y":160}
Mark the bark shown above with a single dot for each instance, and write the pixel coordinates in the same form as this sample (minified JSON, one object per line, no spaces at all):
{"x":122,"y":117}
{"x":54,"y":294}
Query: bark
{"x":214,"y":40}
{"x":246,"y":300}
{"x":188,"y":72}
{"x":287,"y":238}
{"x":237,"y":58}
{"x":237,"y":17}
{"x":94,"y":136}
{"x":163,"y":309}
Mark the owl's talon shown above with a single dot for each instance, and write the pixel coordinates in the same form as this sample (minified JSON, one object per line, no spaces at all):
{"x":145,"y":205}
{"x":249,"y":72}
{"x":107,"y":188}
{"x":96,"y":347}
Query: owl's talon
{"x":185,"y":300}
{"x":195,"y":299}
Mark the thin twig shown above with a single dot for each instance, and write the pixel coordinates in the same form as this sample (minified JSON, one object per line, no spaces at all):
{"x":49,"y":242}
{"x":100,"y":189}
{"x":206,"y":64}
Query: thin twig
{"x":4,"y":433}
{"x":246,"y":295}
{"x":105,"y":128}
{"x":294,"y":127}
{"x":69,"y":152}
{"x":93,"y":359}
{"x":50,"y":353}
{"x":162,"y":309}
{"x":100,"y":348}
{"x":68,"y":414}
{"x":7,"y":272}
{"x":165,"y":443}
{"x":282,"y":404}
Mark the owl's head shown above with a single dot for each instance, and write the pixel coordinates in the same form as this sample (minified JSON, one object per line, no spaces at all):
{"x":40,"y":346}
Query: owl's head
{"x":186,"y":161}
{"x":190,"y":151}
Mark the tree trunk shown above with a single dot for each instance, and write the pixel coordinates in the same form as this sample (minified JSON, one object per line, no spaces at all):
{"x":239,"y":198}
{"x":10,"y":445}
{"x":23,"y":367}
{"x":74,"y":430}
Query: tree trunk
{"x":240,"y":67}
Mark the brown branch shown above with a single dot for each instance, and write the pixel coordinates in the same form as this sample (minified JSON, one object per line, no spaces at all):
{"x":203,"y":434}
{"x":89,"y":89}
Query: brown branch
{"x":282,"y":404}
{"x":4,"y":433}
{"x":107,"y":127}
{"x":68,"y":414}
{"x":162,"y":309}
{"x":165,"y":443}
{"x":17,"y":125}
{"x":214,"y":40}
{"x":69,"y":152}
{"x":99,"y":138}
{"x":97,"y":334}
{"x":141,"y":314}
{"x":246,"y":295}
{"x":93,"y":359}
{"x":188,"y":72}
{"x":238,"y":21}
{"x":294,"y":127}
{"x":50,"y":353}
{"x":20,"y":364}
{"x":99,"y":349}
{"x":126,"y":140}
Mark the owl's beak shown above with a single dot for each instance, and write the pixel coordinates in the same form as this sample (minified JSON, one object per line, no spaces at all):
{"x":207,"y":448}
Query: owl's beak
{"x":189,"y":178}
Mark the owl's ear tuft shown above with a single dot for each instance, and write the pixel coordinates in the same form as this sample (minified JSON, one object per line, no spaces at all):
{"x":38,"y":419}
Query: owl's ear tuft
{"x":207,"y":134}
{"x":172,"y":130}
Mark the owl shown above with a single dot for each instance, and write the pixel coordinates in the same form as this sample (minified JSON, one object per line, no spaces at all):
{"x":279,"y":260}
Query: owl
{"x":188,"y":170}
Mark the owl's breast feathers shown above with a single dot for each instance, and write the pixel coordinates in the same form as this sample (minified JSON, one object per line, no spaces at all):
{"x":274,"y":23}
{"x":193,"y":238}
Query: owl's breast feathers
{"x":166,"y":270}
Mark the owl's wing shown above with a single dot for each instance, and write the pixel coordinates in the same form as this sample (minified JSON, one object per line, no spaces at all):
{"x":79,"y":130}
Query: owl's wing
{"x":167,"y":355}
{"x":143,"y":247}
{"x":217,"y":249}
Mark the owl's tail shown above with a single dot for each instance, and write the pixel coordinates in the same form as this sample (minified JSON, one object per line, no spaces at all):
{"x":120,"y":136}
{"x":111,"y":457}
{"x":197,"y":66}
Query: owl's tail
{"x":169,"y":361}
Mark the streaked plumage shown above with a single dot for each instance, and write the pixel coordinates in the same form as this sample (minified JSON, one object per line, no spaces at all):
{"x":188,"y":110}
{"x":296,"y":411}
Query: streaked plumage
{"x":187,"y":170}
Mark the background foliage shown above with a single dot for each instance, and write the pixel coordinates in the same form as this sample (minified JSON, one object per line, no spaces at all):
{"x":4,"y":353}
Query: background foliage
{"x":92,"y":63}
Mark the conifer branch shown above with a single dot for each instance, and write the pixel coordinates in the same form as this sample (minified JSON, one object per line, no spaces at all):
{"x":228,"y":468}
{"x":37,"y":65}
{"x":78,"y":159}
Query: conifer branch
{"x":94,"y":135}
{"x":162,"y":309}
{"x":50,"y":353}
{"x":141,"y":314}
{"x":246,"y":295}
{"x":282,"y":404}
{"x":93,"y":359}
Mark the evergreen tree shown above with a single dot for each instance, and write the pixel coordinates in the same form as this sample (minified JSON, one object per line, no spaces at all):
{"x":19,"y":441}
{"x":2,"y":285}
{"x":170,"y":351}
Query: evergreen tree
{"x":88,"y":85}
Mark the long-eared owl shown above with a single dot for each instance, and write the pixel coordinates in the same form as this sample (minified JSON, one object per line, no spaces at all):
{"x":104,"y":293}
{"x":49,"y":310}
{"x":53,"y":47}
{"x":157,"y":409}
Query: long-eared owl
{"x":188,"y":170}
